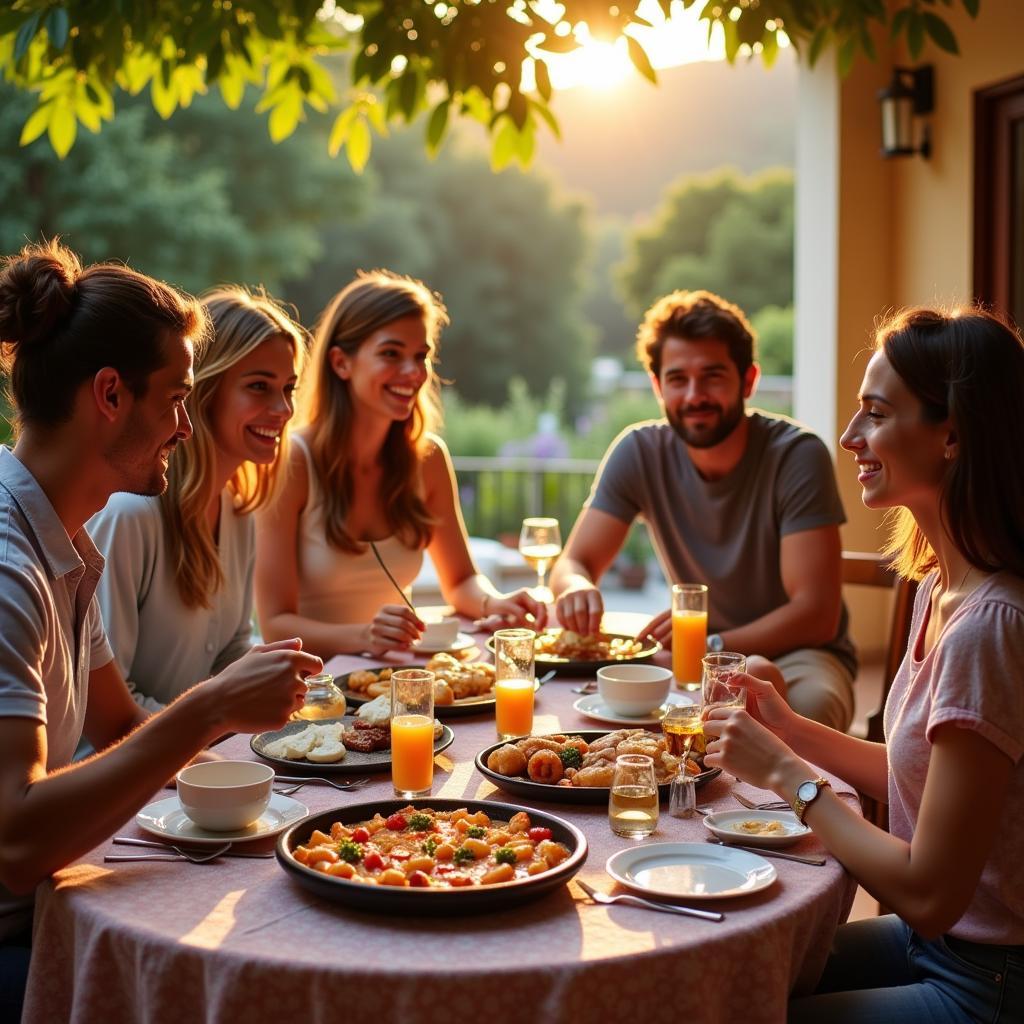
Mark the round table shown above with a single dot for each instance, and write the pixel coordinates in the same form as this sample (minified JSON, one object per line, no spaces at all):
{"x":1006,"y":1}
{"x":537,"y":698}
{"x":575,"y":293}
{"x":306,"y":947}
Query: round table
{"x":239,"y":940}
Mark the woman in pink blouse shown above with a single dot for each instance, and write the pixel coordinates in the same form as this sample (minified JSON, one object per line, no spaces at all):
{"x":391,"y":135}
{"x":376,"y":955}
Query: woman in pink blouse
{"x":938,"y":438}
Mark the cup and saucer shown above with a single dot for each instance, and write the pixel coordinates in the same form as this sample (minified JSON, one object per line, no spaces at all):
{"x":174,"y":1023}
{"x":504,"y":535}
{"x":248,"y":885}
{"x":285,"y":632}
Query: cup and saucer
{"x":441,"y":634}
{"x":631,"y":695}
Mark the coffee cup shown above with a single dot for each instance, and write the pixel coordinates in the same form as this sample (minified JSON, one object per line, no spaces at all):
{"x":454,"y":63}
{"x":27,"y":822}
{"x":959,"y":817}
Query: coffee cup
{"x":225,"y":796}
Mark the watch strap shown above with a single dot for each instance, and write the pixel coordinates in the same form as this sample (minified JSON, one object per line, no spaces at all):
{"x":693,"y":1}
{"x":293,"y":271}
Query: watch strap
{"x":800,"y":805}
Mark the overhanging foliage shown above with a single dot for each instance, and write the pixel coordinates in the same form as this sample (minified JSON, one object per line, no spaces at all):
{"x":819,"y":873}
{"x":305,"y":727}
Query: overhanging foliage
{"x":455,"y":58}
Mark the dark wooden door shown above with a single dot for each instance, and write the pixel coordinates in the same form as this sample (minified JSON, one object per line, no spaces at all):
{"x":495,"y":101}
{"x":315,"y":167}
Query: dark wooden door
{"x":999,"y":197}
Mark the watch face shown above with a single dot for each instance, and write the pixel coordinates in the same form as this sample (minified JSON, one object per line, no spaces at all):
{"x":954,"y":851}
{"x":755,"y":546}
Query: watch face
{"x":807,"y":791}
{"x":715,"y":643}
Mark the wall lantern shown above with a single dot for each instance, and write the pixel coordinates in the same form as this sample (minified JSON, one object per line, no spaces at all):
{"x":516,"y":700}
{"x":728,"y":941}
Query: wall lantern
{"x":909,"y":95}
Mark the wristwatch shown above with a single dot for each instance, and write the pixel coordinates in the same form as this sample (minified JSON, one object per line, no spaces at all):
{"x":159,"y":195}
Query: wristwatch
{"x":806,"y":793}
{"x":715,"y":643}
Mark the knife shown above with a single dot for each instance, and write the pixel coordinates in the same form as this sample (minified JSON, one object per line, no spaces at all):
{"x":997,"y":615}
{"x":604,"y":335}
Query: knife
{"x":762,"y":852}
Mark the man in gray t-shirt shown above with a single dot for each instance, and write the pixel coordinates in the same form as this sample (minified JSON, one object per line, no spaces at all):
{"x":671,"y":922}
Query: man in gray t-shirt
{"x":743,"y":501}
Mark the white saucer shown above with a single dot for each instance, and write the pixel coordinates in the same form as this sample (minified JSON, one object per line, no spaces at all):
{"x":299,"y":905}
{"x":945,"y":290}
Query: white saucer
{"x":695,"y":871}
{"x":462,"y":642}
{"x":722,"y":824}
{"x":165,"y":818}
{"x":593,"y":706}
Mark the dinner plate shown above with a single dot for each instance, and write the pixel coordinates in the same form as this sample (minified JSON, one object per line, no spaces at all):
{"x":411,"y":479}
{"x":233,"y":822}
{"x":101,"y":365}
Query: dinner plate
{"x":565,"y":794}
{"x":458,"y":709}
{"x":593,"y":706}
{"x":355,"y":763}
{"x":722,"y":824}
{"x":694,"y":871}
{"x":462,"y":642}
{"x":431,"y":902}
{"x":166,"y":819}
{"x":570,"y":666}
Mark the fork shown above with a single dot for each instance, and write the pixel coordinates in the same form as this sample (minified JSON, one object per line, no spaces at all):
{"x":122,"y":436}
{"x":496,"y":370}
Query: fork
{"x":637,"y":901}
{"x":586,"y":688}
{"x":304,"y":780}
{"x":183,"y":850}
{"x":193,"y":856}
{"x":768,"y":805}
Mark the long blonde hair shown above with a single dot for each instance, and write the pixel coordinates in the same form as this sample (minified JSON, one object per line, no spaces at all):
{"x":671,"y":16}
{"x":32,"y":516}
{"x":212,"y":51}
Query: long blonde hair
{"x":242,"y":321}
{"x":372,"y":301}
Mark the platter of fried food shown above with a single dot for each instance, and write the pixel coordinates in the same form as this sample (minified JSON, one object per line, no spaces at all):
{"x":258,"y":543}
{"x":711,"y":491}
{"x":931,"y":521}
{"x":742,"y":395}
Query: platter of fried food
{"x":364,"y":741}
{"x":461,"y":687}
{"x":576,"y":768}
{"x":566,"y":651}
{"x":434,"y":856}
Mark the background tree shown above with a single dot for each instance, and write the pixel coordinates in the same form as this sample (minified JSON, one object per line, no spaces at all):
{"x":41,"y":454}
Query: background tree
{"x":455,"y":57}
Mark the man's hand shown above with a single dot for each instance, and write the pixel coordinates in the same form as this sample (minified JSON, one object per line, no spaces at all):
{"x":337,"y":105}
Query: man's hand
{"x":660,"y":628}
{"x":262,"y":688}
{"x":580,"y":608}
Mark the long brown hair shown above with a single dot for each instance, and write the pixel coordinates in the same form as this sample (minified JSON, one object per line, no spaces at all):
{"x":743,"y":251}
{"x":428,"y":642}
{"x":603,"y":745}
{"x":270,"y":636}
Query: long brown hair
{"x":965,"y":365}
{"x":242,"y":321}
{"x":372,"y":301}
{"x":61,"y":324}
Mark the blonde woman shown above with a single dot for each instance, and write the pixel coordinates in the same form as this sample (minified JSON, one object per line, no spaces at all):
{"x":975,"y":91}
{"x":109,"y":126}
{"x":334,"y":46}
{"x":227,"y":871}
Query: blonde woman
{"x":368,"y":467}
{"x":176,"y":594}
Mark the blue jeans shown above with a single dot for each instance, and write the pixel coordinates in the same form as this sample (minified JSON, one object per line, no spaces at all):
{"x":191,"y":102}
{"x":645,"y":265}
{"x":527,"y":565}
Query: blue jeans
{"x":880,"y":970}
{"x":15,"y":952}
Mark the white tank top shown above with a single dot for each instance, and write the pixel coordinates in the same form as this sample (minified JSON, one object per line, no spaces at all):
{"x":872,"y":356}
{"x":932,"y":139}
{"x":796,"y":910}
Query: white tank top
{"x":338,"y":586}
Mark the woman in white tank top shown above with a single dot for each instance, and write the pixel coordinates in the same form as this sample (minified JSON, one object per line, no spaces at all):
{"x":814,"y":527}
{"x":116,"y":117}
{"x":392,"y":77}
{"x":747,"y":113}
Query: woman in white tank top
{"x":366,"y":466}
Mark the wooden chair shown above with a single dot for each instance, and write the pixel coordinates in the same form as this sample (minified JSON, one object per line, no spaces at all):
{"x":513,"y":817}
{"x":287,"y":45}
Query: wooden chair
{"x":868,"y":569}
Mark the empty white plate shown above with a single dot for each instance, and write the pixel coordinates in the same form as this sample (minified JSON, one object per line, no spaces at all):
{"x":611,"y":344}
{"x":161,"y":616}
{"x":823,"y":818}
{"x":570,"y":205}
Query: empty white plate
{"x":462,"y":642}
{"x":724,"y":825}
{"x":695,"y":871}
{"x":165,"y":818}
{"x":593,"y":706}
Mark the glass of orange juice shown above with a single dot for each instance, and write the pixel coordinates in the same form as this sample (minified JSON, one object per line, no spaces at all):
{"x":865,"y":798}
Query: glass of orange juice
{"x":689,"y":633}
{"x":514,"y":682}
{"x":412,"y":732}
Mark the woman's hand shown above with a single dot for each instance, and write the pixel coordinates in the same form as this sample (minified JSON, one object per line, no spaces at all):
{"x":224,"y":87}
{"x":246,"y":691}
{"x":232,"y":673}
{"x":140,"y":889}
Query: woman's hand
{"x":766,"y":705}
{"x":744,"y":747}
{"x":393,"y":628}
{"x":519,"y":608}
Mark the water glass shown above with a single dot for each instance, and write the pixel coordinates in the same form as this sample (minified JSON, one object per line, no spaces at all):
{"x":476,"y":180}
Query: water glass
{"x":412,"y":732}
{"x":514,"y":682}
{"x":633,"y":803}
{"x":716,"y":684}
{"x":689,"y":633}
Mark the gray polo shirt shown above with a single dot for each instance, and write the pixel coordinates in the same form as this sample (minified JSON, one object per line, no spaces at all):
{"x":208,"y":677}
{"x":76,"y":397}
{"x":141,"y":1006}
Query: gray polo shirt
{"x":726,"y":533}
{"x":51,"y":634}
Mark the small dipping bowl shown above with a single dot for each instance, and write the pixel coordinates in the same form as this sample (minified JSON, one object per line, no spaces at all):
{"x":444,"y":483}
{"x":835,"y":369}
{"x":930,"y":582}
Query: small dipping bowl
{"x":225,"y":796}
{"x":634,"y":690}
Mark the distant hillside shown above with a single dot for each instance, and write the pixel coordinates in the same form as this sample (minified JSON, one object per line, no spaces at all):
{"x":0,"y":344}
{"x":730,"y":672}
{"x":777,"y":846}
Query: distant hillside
{"x":624,"y":146}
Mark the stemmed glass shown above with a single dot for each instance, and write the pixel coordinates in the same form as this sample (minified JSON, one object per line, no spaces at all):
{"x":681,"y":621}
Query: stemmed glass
{"x":540,"y":543}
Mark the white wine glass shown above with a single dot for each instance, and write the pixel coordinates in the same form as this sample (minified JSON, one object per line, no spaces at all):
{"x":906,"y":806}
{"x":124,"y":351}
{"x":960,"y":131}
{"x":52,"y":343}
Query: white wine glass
{"x":540,"y":543}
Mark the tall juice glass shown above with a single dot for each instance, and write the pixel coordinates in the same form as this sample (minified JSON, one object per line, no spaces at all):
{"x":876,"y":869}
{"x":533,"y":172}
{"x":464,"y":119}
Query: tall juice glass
{"x":513,"y":682}
{"x":412,"y":732}
{"x":689,"y":633}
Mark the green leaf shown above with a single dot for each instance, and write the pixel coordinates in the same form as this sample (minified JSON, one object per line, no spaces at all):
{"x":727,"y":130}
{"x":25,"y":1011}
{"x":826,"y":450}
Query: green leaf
{"x":36,"y":124}
{"x":506,"y":141}
{"x":899,"y":20}
{"x":638,"y":55}
{"x":25,"y":35}
{"x":971,"y":6}
{"x":770,"y":50}
{"x":437,"y":124}
{"x":915,"y":33}
{"x":57,"y":26}
{"x":558,"y":44}
{"x":340,"y":130}
{"x":940,"y":32}
{"x":818,"y":41}
{"x":543,"y":78}
{"x":373,"y":109}
{"x":62,"y":129}
{"x":526,"y":144}
{"x":518,"y":109}
{"x":285,"y":116}
{"x":409,"y":91}
{"x":357,"y":148}
{"x":214,"y":62}
{"x":549,"y":118}
{"x":844,"y":58}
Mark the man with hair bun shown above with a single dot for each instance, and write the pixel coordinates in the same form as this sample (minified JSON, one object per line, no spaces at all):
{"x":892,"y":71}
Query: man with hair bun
{"x":99,"y":362}
{"x":743,"y":501}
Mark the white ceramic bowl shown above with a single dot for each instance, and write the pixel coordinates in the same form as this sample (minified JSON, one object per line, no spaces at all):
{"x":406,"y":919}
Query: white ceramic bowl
{"x":224,"y":796}
{"x":442,"y":633}
{"x":634,"y":689}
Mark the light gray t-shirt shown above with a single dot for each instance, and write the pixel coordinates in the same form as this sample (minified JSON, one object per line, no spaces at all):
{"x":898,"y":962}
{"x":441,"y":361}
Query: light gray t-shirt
{"x":727,"y":532}
{"x":51,"y":634}
{"x":162,"y":647}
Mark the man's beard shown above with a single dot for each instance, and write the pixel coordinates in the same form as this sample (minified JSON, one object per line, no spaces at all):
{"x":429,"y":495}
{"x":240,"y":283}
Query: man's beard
{"x":140,"y":473}
{"x":710,"y":432}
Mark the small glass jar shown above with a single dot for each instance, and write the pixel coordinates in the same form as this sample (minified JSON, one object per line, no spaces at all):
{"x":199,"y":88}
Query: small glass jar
{"x":323,"y":699}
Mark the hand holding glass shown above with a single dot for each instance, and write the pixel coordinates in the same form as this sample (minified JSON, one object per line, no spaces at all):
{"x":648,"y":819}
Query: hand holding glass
{"x":716,"y":683}
{"x":689,"y":633}
{"x":540,"y":543}
{"x":514,"y":682}
{"x":412,"y":732}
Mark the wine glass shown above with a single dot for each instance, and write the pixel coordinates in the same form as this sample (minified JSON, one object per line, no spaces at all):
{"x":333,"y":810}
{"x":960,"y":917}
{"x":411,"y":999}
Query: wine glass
{"x":540,"y":544}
